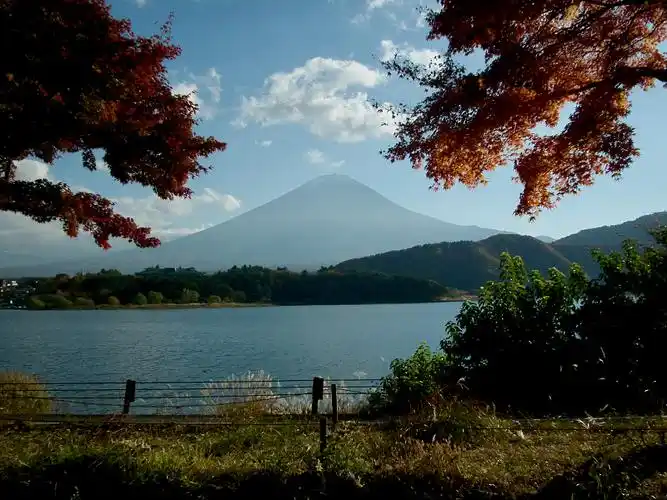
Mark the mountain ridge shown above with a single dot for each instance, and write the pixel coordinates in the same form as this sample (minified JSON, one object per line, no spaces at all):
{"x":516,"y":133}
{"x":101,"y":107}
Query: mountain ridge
{"x":467,"y":265}
{"x":326,"y":220}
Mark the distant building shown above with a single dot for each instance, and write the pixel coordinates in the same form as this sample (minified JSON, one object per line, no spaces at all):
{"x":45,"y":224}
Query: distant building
{"x":7,"y":284}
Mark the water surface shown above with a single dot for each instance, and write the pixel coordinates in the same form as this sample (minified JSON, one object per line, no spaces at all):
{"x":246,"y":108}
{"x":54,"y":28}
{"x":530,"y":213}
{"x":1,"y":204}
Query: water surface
{"x":204,"y":344}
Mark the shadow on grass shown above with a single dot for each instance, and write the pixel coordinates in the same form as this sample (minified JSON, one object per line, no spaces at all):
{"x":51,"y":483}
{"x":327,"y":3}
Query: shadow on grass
{"x":109,"y":477}
{"x":615,"y":478}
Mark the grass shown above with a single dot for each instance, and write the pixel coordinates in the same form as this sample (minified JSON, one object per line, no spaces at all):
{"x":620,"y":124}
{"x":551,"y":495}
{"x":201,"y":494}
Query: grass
{"x":462,"y":451}
{"x":256,"y":394}
{"x":454,"y":450}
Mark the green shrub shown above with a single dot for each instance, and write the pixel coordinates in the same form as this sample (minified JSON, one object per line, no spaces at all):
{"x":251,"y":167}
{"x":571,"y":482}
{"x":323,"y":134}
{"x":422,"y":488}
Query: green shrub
{"x":55,"y":301}
{"x":155,"y":297}
{"x":84,"y":302}
{"x":522,"y":329}
{"x":567,"y":344}
{"x":238,"y":296}
{"x":140,"y":299}
{"x":189,"y":296}
{"x":34,"y":303}
{"x":21,"y":393}
{"x":412,"y":383}
{"x":113,"y":301}
{"x":214,"y":299}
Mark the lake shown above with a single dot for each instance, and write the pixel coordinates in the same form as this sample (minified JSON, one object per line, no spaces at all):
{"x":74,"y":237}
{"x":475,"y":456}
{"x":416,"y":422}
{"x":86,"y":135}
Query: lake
{"x":199,"y":345}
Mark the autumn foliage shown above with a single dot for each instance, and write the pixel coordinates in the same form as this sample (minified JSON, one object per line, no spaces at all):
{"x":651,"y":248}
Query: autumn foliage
{"x":73,"y":79}
{"x":540,"y":56}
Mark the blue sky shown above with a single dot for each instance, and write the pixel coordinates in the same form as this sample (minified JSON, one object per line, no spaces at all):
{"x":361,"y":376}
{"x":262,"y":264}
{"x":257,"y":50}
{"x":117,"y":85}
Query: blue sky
{"x":286,"y":84}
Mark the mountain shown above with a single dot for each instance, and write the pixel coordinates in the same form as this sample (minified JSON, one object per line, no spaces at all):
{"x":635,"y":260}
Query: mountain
{"x":15,"y":259}
{"x":613,"y":236}
{"x":326,"y":220}
{"x":463,"y":265}
{"x":577,"y":247}
{"x":546,"y":239}
{"x":467,"y":265}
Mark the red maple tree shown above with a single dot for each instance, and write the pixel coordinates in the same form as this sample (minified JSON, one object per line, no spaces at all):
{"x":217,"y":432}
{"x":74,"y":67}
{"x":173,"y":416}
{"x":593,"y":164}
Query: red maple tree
{"x":73,"y":79}
{"x":540,"y":55}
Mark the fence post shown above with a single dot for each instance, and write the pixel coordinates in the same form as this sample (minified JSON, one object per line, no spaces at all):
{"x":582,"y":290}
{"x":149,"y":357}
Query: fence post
{"x":323,"y":434}
{"x":334,"y":407}
{"x":130,"y":391}
{"x":318,"y":392}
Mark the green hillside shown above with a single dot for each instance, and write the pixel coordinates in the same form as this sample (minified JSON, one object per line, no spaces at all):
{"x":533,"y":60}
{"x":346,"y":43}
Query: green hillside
{"x":613,"y":236}
{"x":463,"y":265}
{"x":467,"y":265}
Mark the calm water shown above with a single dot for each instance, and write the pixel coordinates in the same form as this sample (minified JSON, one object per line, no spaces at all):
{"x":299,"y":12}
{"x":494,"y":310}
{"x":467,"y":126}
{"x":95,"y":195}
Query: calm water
{"x":195,"y":344}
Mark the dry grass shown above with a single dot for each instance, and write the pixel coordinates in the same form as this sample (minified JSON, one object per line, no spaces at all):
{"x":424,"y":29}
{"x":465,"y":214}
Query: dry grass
{"x":21,"y":393}
{"x":466,"y":447}
{"x":256,"y":394}
{"x":452,"y":449}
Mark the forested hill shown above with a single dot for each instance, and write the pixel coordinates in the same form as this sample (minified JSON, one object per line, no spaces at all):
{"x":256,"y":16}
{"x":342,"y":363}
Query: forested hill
{"x":613,"y":236}
{"x":246,"y":284}
{"x":467,"y":265}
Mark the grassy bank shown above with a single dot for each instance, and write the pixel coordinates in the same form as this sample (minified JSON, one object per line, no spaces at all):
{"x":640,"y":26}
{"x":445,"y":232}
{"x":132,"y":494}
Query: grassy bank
{"x":361,"y":461}
{"x":452,"y":450}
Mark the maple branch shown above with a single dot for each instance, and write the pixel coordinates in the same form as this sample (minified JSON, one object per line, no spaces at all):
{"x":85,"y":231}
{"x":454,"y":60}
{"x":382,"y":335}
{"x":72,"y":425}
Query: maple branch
{"x":658,"y":74}
{"x":46,"y":201}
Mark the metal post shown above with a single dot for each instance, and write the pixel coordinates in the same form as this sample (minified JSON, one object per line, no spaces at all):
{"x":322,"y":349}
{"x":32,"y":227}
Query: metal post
{"x":323,"y":434}
{"x":130,"y":391}
{"x":334,"y":407}
{"x":318,"y":392}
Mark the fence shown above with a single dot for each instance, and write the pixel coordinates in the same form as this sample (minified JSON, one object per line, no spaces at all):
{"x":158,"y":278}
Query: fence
{"x":279,"y":402}
{"x":189,"y":402}
{"x":191,"y":398}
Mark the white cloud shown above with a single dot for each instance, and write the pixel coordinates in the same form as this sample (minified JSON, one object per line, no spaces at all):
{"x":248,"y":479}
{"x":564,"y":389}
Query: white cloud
{"x":323,"y":95}
{"x":31,"y":170}
{"x":264,"y":144}
{"x":418,"y":56}
{"x":421,"y":20}
{"x":314,"y":156}
{"x":372,"y":5}
{"x":317,"y":157}
{"x":168,"y":219}
{"x":198,"y":85}
{"x":168,"y":233}
{"x":140,"y":3}
{"x":157,"y":213}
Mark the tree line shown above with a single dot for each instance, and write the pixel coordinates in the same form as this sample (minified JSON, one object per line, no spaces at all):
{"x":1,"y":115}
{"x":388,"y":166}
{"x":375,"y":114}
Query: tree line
{"x":246,"y":284}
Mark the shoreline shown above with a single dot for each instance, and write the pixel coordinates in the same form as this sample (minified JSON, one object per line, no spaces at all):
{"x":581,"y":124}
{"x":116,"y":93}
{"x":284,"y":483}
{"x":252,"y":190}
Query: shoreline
{"x":195,"y":305}
{"x":225,"y":305}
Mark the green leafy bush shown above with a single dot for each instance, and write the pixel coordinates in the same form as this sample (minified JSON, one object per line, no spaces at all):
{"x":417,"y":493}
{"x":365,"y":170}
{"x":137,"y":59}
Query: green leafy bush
{"x":34,"y":303}
{"x":412,"y":383}
{"x":189,"y":296}
{"x":113,"y":301}
{"x":214,"y":299}
{"x":84,"y":302}
{"x":522,"y":329}
{"x":566,"y":344}
{"x":55,"y":301}
{"x":140,"y":299}
{"x":155,"y":297}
